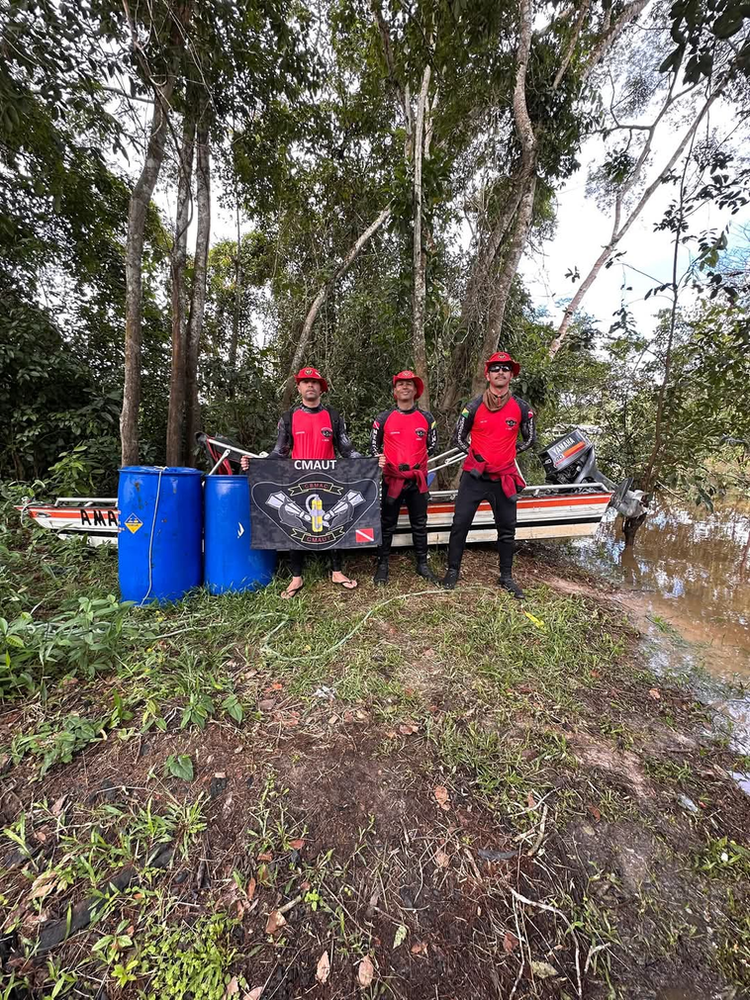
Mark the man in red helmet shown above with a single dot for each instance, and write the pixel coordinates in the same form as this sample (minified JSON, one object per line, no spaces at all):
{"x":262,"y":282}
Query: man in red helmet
{"x":312,"y":430}
{"x":403,"y":437}
{"x":487,"y":430}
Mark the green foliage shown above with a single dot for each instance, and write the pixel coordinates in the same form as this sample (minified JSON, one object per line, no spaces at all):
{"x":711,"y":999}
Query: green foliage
{"x":179,"y":767}
{"x":57,"y":741}
{"x":183,"y":962}
{"x":724,"y":857}
{"x":82,"y":640}
{"x":50,"y":402}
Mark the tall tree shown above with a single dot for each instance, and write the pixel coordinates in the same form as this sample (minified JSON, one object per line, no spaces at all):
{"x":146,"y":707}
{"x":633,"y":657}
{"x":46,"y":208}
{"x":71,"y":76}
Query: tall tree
{"x":200,"y":273}
{"x":178,"y":262}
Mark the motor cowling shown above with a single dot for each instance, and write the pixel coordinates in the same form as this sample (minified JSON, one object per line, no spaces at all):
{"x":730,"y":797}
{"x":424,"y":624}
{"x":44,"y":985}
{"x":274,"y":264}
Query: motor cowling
{"x":571,"y":460}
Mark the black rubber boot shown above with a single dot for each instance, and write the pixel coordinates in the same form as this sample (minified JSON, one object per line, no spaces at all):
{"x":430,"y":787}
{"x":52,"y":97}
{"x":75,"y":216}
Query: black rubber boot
{"x":509,"y":584}
{"x":423,"y":570}
{"x":381,"y":573}
{"x":450,"y":579}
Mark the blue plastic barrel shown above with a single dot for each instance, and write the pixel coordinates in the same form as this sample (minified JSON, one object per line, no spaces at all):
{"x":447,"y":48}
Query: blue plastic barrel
{"x":160,"y":528}
{"x":230,"y":563}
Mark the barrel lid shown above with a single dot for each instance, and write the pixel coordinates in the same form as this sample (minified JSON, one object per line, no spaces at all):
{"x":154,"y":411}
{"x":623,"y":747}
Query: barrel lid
{"x":154,"y":470}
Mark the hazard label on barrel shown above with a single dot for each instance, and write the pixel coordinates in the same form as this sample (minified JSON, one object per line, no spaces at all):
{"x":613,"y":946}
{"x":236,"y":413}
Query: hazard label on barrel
{"x":133,"y":523}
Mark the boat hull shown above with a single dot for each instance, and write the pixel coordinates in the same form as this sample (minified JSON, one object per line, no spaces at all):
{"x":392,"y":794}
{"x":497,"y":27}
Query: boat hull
{"x":543,"y":512}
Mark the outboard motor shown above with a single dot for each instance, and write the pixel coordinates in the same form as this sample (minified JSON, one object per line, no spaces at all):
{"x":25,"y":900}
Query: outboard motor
{"x":571,"y":460}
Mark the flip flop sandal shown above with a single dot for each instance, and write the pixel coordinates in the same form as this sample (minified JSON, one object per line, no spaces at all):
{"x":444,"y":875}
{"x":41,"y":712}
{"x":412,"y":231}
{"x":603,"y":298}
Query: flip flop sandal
{"x":346,"y":584}
{"x":287,"y":595}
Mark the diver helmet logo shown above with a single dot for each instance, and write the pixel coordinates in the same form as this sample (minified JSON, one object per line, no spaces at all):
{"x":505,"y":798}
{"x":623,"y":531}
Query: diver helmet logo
{"x":314,"y":507}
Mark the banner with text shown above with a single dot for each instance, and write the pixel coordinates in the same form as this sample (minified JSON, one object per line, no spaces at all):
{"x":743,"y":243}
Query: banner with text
{"x":314,"y":504}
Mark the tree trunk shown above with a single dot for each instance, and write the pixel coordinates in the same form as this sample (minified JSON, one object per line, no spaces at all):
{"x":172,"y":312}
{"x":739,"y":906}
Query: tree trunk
{"x":527,"y":138}
{"x":630,"y":526}
{"x":237,"y":305}
{"x":320,"y":298}
{"x":137,"y":215}
{"x":178,"y":260}
{"x":200,"y":273}
{"x":419,"y":256}
{"x":479,"y":286}
{"x":504,"y":284}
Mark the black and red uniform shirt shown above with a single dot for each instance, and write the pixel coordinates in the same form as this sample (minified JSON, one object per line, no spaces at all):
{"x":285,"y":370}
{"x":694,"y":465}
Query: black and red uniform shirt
{"x":405,"y":437}
{"x":490,"y":438}
{"x":317,"y":432}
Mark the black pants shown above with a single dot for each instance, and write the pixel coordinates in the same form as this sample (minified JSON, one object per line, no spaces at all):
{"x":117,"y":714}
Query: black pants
{"x":297,"y":561}
{"x":416,"y":504}
{"x":471,"y":492}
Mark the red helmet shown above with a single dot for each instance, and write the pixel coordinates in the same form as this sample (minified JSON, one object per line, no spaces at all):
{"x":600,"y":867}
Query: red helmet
{"x":311,"y":373}
{"x":407,"y":376}
{"x":502,"y":356}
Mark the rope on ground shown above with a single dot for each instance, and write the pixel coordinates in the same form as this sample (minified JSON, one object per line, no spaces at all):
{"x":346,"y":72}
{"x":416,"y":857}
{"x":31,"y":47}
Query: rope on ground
{"x":337,"y":645}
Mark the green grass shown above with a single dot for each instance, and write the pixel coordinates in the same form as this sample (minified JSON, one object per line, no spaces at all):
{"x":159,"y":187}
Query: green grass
{"x":471,"y":690}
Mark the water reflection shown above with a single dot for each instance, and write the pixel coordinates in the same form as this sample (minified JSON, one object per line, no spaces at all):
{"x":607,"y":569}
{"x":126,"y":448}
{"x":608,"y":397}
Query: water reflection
{"x":690,"y":568}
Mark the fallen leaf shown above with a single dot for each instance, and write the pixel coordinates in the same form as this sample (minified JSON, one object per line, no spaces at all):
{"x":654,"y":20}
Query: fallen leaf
{"x":534,"y":620}
{"x":233,"y":987}
{"x":655,"y":693}
{"x":297,"y":845}
{"x":407,"y":728}
{"x":525,"y":688}
{"x":442,"y":797}
{"x":441,"y":859}
{"x":58,"y":805}
{"x":543,"y":970}
{"x":365,"y":972}
{"x":348,"y":717}
{"x":275,"y":922}
{"x":254,"y":994}
{"x":250,"y":891}
{"x":333,"y":720}
{"x":420,"y":948}
{"x":266,"y":705}
{"x":266,"y":856}
{"x":531,"y":800}
{"x":595,"y":673}
{"x":324,"y":968}
{"x":595,"y":813}
{"x":43,"y":884}
{"x":276,"y":686}
{"x":510,"y":942}
{"x":400,"y":936}
{"x":361,"y":715}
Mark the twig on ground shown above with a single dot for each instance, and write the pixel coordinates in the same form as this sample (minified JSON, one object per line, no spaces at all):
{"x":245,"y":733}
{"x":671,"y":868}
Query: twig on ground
{"x":591,"y":953}
{"x":558,"y":913}
{"x":288,"y":906}
{"x":540,"y":836}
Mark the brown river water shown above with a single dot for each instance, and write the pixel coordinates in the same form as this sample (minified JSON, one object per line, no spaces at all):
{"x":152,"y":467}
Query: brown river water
{"x":686,"y":581}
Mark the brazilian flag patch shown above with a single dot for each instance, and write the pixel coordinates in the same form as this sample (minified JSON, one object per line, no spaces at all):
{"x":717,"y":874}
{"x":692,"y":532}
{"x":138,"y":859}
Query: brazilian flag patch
{"x":464,"y":413}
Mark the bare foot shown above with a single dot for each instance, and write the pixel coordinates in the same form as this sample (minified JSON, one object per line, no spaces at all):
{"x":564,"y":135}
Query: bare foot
{"x":343,"y":581}
{"x":294,"y":588}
